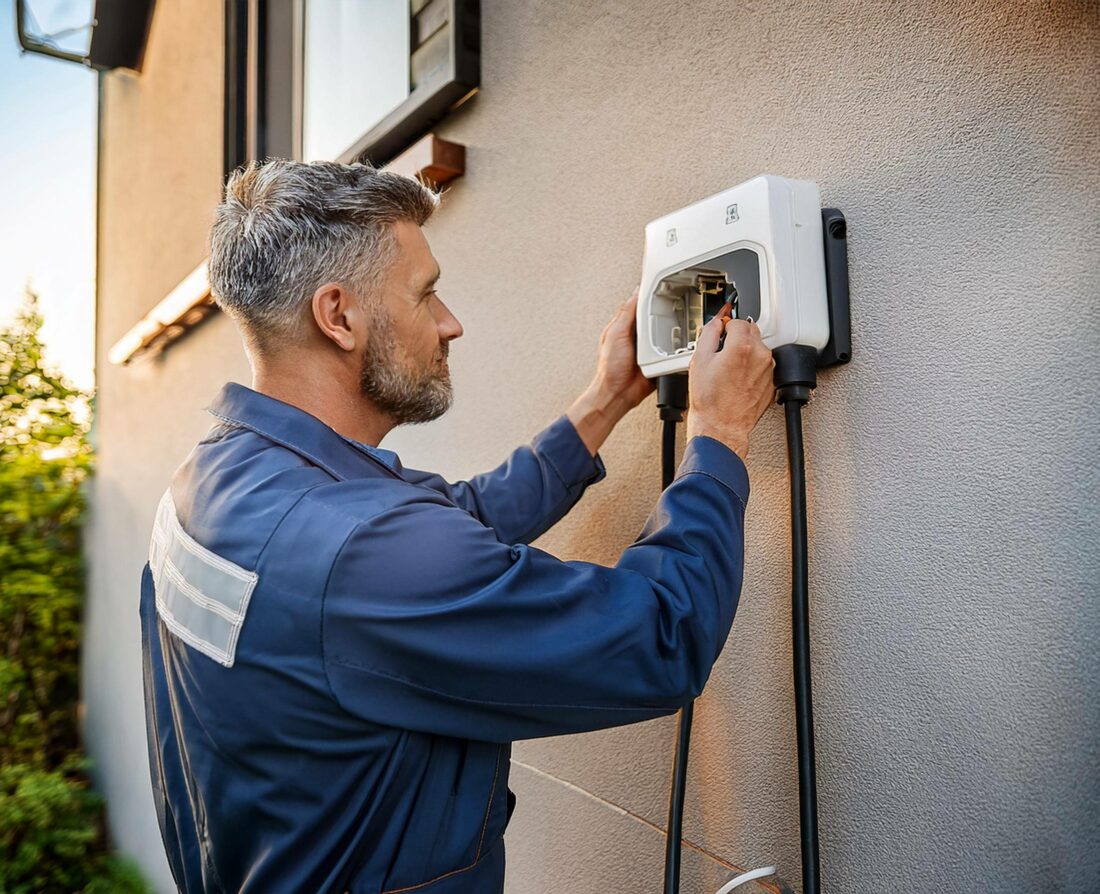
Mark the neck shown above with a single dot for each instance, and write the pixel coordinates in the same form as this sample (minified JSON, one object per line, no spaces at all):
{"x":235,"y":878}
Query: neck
{"x":328,"y":391}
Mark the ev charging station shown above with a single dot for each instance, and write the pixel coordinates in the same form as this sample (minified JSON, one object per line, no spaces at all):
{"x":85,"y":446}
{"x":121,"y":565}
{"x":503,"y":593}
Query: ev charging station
{"x":770,"y":250}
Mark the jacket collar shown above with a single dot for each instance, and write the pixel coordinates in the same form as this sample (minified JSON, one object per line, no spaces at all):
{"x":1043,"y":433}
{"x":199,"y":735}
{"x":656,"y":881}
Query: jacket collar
{"x":297,"y":430}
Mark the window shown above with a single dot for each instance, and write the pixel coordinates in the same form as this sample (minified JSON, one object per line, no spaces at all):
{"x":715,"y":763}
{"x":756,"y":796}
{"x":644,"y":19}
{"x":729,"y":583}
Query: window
{"x":344,"y":80}
{"x":355,"y":71}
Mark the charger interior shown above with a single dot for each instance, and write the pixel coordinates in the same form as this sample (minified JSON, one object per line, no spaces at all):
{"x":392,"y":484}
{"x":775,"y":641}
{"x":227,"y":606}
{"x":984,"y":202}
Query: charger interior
{"x":686,"y":300}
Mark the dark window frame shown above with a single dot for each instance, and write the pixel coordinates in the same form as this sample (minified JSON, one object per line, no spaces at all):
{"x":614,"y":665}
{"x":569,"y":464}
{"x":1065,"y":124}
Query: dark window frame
{"x":264,"y":73}
{"x":235,"y":111}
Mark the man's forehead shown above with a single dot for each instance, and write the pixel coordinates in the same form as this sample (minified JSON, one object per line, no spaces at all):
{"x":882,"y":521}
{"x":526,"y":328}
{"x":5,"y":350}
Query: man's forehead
{"x":420,"y":264}
{"x":424,"y":274}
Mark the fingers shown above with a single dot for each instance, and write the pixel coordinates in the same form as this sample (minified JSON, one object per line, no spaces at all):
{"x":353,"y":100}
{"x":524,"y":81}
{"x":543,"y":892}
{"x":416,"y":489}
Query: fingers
{"x":711,"y":334}
{"x":630,"y":306}
{"x":629,"y":311}
{"x":744,"y":354}
{"x":743,"y":330}
{"x":625,"y":316}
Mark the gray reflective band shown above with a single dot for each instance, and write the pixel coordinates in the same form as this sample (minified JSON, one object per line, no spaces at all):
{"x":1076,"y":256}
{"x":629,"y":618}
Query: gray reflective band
{"x":201,"y":597}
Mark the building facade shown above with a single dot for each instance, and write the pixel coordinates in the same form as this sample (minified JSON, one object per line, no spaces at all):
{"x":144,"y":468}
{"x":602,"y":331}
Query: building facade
{"x":952,"y":464}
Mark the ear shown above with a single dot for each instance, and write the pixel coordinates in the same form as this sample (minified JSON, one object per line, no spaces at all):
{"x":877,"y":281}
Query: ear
{"x":337,"y":313}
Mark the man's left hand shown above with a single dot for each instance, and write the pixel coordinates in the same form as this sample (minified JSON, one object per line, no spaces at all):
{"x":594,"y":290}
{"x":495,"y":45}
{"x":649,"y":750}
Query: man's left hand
{"x":618,"y":372}
{"x":618,"y":385}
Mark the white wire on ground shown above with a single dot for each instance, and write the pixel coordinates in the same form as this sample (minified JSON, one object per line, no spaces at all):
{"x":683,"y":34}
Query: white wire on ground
{"x":738,"y":881}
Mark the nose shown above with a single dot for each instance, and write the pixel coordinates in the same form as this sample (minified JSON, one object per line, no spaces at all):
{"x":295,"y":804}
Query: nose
{"x":447,"y":323}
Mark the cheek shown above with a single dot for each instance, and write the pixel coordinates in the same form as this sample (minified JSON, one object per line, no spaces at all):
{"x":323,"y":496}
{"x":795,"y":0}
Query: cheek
{"x":429,"y":336}
{"x":417,"y":344}
{"x":417,"y":335}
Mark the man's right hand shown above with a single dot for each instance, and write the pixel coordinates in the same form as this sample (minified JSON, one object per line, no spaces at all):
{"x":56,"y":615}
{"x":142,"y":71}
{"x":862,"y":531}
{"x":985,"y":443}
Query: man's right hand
{"x":729,"y":389}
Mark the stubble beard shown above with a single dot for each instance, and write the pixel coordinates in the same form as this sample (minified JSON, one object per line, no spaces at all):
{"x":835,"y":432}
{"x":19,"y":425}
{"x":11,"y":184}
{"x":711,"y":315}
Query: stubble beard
{"x":395,"y":385}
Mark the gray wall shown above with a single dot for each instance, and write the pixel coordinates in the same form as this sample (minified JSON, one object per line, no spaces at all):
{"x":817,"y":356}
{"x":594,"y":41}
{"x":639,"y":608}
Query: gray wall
{"x":952,"y":475}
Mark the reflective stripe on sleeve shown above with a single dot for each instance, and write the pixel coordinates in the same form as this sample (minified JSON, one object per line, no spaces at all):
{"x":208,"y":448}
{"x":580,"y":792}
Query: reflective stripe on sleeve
{"x":201,"y":597}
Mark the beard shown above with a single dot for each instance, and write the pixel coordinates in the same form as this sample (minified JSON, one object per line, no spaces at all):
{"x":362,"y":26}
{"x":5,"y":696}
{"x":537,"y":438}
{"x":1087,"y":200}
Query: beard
{"x":405,"y":391}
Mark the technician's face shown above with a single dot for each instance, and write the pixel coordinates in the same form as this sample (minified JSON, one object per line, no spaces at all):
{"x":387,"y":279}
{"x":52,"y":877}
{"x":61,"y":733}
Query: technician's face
{"x":404,"y":370}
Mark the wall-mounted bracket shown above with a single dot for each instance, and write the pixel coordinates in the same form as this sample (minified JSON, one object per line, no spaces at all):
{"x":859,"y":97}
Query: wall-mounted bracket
{"x":839,"y":347}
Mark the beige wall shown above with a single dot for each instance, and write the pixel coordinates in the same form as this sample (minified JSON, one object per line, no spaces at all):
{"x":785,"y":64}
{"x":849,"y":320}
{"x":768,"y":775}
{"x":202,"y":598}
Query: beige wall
{"x":952,"y":466}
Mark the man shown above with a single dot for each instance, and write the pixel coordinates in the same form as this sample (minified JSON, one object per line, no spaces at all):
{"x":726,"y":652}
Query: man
{"x":339,"y":650}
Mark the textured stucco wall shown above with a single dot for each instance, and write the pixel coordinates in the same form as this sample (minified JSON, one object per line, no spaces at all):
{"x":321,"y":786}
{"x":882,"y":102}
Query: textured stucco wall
{"x":952,"y":471}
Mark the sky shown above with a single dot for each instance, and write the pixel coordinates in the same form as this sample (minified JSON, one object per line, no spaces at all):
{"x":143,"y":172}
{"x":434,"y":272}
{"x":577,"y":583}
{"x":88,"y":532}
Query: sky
{"x":47,"y":191}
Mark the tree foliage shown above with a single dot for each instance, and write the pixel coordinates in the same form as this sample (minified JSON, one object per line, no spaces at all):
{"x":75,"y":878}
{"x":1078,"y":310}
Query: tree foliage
{"x":44,"y":459}
{"x":51,"y":828}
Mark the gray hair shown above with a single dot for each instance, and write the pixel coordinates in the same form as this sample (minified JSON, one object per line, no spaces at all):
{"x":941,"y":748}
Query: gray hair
{"x":285,"y":228}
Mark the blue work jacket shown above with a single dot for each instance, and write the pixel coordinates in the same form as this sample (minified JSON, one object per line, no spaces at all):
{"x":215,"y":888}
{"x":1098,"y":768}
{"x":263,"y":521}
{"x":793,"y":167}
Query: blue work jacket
{"x":338,"y":651}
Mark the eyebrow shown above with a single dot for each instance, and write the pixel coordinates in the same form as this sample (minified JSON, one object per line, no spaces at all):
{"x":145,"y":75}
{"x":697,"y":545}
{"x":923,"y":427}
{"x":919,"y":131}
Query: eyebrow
{"x":431,"y":282}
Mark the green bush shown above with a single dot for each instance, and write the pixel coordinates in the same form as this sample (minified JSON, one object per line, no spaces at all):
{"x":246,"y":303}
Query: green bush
{"x":52,"y":836}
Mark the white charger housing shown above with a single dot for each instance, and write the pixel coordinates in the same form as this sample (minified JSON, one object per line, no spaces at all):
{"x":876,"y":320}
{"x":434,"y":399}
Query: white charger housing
{"x":759,"y":244}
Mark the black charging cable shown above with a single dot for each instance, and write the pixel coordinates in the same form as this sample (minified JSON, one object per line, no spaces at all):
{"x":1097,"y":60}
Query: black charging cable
{"x":672,"y":400}
{"x":795,"y":379}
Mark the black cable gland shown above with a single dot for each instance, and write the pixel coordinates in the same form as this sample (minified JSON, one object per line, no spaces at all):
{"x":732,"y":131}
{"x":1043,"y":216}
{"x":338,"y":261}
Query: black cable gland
{"x":672,"y":396}
{"x":795,"y":373}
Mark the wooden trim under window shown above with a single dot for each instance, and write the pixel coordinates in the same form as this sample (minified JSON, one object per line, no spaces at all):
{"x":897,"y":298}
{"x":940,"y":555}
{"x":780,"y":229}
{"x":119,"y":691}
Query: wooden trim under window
{"x":431,"y":160}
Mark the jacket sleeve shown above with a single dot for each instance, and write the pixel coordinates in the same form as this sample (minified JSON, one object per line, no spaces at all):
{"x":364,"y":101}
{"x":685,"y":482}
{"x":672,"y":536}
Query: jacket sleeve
{"x":430,"y":623}
{"x":531,"y":491}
